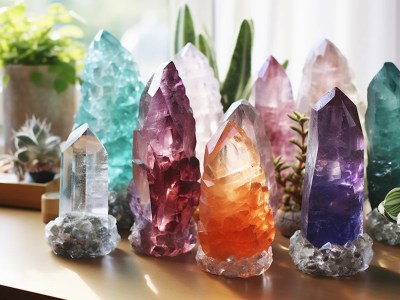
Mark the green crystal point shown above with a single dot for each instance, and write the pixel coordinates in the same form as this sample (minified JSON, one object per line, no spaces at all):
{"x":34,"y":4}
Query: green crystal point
{"x":382,"y":123}
{"x":111,"y":92}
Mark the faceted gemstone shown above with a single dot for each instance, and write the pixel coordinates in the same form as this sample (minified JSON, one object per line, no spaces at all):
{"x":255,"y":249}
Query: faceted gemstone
{"x":110,"y":99}
{"x":165,"y":191}
{"x":382,"y":124}
{"x":272,"y":93}
{"x":235,"y":219}
{"x":202,"y":89}
{"x":333,"y":197}
{"x":326,"y":67}
{"x":244,"y":115}
{"x":84,"y":175}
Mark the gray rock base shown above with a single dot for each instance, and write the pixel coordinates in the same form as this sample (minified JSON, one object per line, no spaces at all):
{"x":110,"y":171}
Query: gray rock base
{"x":382,"y":229}
{"x":331,"y":259}
{"x":82,"y":236}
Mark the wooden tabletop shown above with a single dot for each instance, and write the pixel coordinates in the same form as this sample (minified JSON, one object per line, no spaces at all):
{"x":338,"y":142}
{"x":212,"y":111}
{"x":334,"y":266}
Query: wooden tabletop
{"x":27,"y":264}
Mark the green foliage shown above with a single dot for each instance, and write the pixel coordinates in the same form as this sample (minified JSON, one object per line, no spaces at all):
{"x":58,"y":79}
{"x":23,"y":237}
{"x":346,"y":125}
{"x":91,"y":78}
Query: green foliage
{"x":35,"y":145}
{"x":237,"y":82}
{"x":390,"y":207}
{"x":41,"y":40}
{"x":291,"y":178}
{"x":285,"y":64}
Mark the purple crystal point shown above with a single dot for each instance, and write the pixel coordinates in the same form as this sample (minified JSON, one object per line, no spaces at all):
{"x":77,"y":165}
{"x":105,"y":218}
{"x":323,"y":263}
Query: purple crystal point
{"x":273,"y":97}
{"x":165,"y":191}
{"x":333,"y":195}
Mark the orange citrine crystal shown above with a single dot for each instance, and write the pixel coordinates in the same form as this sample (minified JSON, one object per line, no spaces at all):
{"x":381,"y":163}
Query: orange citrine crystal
{"x":235,"y":218}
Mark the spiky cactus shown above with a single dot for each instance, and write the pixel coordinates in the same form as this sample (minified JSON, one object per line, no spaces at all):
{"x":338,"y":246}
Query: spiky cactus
{"x":37,"y":148}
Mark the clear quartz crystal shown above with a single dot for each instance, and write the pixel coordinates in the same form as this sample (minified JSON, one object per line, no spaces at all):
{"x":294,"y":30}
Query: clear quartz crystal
{"x":84,"y":175}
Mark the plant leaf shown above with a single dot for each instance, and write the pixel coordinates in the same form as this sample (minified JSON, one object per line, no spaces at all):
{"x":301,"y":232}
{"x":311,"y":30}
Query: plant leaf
{"x":60,"y":85}
{"x":239,"y":71}
{"x":205,"y":47}
{"x":22,"y":138}
{"x":184,"y":32}
{"x":36,"y":77}
{"x":6,"y":79}
{"x":23,"y":155}
{"x":285,"y":64}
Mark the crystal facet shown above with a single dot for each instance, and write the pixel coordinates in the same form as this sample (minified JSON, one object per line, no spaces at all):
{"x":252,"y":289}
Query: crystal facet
{"x":110,"y":99}
{"x":333,"y":197}
{"x":202,"y":89}
{"x":165,"y":191}
{"x":272,"y":94}
{"x":382,"y":125}
{"x":236,"y":226}
{"x":325,"y":68}
{"x":83,"y":228}
{"x":244,"y":115}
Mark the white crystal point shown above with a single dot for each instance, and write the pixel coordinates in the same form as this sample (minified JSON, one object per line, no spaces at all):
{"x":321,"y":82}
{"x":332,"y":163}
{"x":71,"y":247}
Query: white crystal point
{"x":202,"y":89}
{"x":84,"y":175}
{"x":325,"y":68}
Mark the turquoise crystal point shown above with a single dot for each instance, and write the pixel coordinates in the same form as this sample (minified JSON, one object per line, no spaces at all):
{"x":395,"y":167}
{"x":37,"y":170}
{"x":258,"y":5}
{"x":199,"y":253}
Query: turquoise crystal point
{"x":382,"y":123}
{"x":111,"y":91}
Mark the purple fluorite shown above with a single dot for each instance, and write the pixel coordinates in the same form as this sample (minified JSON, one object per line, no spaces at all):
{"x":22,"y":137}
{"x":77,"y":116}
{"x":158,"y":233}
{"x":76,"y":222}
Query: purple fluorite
{"x":333,"y":196}
{"x":165,"y":191}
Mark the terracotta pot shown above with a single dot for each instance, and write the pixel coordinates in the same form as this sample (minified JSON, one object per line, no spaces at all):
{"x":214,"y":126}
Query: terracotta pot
{"x":22,"y":99}
{"x":288,"y":222}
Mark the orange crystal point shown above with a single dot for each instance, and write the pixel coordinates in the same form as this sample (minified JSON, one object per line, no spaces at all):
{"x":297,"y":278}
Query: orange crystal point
{"x":235,"y":218}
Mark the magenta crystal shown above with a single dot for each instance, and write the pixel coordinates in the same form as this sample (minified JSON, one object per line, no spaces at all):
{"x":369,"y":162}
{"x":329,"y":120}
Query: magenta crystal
{"x":273,"y":97}
{"x":165,"y":191}
{"x":333,"y":196}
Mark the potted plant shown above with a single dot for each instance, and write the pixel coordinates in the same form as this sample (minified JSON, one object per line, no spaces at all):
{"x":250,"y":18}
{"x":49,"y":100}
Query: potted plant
{"x":37,"y":150}
{"x":39,"y":55}
{"x":291,"y":179}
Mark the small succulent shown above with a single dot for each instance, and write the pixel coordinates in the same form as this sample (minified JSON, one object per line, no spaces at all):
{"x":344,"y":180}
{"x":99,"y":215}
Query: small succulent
{"x":37,"y":148}
{"x":10,"y":164}
{"x":390,"y":207}
{"x":292,"y":181}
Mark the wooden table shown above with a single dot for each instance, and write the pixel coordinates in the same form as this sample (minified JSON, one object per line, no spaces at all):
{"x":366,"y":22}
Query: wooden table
{"x":28,"y":266}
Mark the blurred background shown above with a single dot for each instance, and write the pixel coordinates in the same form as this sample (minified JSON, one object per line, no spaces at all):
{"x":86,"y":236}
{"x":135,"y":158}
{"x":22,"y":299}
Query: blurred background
{"x":366,"y":31}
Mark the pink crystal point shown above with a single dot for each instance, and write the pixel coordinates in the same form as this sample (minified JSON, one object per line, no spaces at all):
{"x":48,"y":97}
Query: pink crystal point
{"x":325,"y":68}
{"x":165,"y":191}
{"x":273,"y":96}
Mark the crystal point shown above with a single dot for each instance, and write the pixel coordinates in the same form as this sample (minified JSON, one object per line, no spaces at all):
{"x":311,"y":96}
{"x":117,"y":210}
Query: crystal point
{"x":165,"y":191}
{"x":202,"y":89}
{"x":244,"y":115}
{"x":325,"y":68}
{"x":236,"y":224}
{"x":333,"y":193}
{"x":272,"y":93}
{"x":382,"y":127}
{"x":110,"y":99}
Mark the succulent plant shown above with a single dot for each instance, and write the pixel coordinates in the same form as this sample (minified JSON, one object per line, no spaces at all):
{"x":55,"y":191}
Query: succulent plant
{"x":292,"y":181}
{"x":390,"y":207}
{"x":10,"y":164}
{"x":37,"y":148}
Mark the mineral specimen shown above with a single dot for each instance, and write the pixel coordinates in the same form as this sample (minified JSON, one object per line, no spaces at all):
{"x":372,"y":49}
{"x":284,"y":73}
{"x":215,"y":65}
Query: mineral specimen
{"x":331,"y":241}
{"x":202,"y":89}
{"x":272,"y":93}
{"x":244,"y":115}
{"x":83,"y":228}
{"x":333,"y":195}
{"x":236,"y":226}
{"x":111,"y":90}
{"x":382,"y":125}
{"x":165,"y":192}
{"x":381,"y":229}
{"x":325,"y":68}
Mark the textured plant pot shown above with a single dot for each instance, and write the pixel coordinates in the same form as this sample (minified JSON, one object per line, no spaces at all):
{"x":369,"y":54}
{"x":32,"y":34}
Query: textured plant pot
{"x":22,"y":99}
{"x":42,"y":176}
{"x":288,"y":222}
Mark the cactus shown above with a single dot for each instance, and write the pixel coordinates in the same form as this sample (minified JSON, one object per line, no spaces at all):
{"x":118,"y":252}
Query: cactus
{"x":37,"y":148}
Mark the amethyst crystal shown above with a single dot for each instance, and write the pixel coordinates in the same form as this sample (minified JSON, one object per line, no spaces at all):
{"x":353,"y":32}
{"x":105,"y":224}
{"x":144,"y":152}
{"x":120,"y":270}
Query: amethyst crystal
{"x":333,"y":196}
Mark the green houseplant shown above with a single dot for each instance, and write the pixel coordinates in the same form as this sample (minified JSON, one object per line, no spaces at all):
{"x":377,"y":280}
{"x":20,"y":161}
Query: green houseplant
{"x":39,"y":57}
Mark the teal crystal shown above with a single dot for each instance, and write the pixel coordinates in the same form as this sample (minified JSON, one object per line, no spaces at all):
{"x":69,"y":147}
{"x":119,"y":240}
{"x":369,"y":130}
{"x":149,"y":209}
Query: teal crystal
{"x":111,"y":90}
{"x":382,"y":123}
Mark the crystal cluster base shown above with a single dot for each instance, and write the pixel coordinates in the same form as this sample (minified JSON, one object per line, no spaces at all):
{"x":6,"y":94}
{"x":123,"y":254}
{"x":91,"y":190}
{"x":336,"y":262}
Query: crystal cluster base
{"x":82,"y":236}
{"x":146,"y":239}
{"x":331,"y":260}
{"x":381,"y":229}
{"x":233,"y":267}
